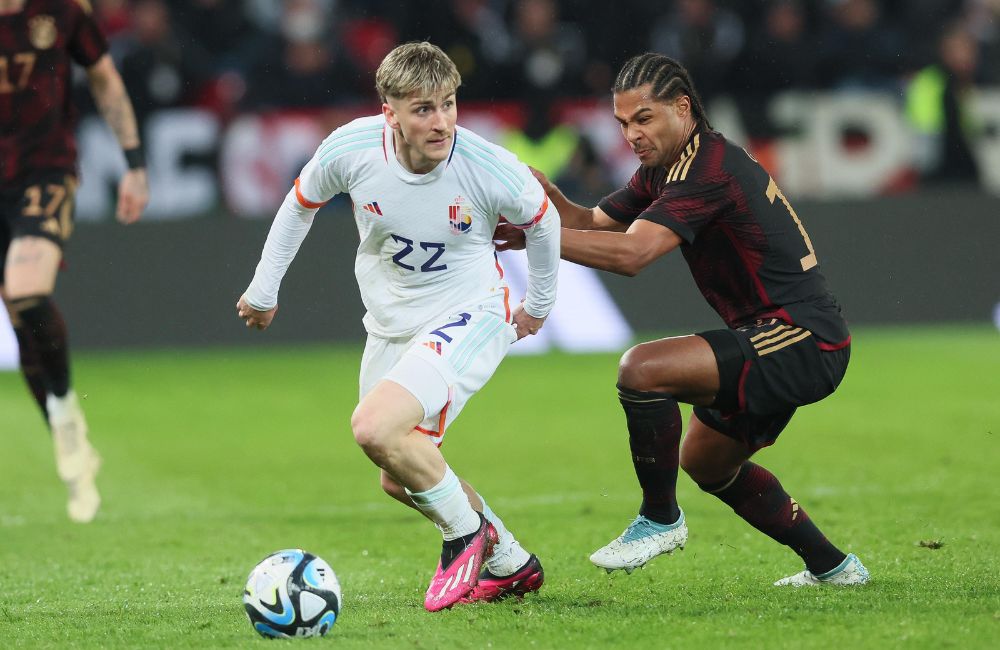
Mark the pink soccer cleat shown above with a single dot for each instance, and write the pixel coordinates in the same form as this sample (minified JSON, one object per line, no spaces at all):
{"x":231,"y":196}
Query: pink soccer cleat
{"x":455,"y":581}
{"x":491,"y":588}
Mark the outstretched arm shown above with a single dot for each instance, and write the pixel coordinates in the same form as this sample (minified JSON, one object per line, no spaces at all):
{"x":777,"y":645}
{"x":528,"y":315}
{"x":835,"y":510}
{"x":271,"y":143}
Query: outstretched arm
{"x":625,"y":253}
{"x":112,"y":100}
{"x":573,"y":215}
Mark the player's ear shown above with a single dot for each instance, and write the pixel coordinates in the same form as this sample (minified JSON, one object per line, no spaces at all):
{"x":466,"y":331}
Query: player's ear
{"x":683,"y":106}
{"x":390,"y":115}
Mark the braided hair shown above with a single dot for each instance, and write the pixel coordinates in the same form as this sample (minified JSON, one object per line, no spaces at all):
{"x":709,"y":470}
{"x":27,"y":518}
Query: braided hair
{"x":667,"y":78}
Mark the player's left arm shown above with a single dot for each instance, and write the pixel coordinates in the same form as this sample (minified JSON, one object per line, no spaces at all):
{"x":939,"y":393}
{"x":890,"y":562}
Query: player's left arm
{"x":112,"y":100}
{"x":624,"y":253}
{"x":541,"y":228}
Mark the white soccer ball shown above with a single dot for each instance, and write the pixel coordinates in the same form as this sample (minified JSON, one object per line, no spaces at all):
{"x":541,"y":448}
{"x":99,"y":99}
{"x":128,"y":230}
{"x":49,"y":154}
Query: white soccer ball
{"x":292,"y":593}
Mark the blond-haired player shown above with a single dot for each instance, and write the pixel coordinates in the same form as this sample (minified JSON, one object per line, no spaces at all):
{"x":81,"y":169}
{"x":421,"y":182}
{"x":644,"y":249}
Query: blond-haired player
{"x":427,"y":197}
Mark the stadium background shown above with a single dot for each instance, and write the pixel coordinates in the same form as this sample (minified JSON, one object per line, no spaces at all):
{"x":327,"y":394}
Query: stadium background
{"x":222,"y":445}
{"x":881,"y":121}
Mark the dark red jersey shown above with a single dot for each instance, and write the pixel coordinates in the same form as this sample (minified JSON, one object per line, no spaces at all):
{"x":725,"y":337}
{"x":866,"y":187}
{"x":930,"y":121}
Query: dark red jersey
{"x":37,"y":118}
{"x":748,"y":251}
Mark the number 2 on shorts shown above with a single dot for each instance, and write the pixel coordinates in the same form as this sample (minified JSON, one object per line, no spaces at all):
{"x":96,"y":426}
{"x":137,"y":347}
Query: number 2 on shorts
{"x":463,"y":320}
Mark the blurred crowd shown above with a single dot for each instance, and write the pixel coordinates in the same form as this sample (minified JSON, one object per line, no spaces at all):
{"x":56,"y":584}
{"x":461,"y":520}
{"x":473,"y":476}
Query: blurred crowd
{"x":237,"y":55}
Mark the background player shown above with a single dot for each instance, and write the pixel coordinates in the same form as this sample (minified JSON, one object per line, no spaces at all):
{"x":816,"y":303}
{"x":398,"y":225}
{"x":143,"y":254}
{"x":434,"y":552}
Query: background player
{"x":427,"y":197}
{"x":786,"y":344}
{"x":39,"y":40}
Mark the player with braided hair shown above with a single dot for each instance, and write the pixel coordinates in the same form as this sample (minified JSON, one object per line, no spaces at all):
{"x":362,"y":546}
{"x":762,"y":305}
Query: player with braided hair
{"x":786,"y":343}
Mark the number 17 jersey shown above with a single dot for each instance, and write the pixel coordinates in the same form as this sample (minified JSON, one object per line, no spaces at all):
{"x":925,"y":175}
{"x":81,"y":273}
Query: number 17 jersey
{"x":749,"y":253}
{"x":426,"y":239}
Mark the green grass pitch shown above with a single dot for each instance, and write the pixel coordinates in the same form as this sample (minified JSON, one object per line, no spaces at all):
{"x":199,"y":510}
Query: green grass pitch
{"x":214,"y":458}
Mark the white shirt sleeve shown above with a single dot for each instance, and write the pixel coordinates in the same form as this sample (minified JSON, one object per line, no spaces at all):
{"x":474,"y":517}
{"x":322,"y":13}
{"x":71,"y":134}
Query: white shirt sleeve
{"x":316,"y":185}
{"x":539,"y":219}
{"x":289,"y":229}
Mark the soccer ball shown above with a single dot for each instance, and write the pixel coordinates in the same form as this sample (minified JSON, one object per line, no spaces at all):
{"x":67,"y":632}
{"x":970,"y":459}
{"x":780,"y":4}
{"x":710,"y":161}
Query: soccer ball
{"x":292,"y":593}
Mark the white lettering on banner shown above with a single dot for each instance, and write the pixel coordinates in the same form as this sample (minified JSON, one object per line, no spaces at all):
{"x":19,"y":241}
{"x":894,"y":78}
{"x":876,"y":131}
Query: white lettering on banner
{"x":584,"y":319}
{"x":819,"y":164}
{"x":260,"y":155}
{"x":178,"y":188}
{"x":101,"y":165}
{"x":260,"y":158}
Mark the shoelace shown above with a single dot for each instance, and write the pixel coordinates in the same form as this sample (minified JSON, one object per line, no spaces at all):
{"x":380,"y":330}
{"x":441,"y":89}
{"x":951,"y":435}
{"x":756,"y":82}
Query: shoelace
{"x":640,"y":528}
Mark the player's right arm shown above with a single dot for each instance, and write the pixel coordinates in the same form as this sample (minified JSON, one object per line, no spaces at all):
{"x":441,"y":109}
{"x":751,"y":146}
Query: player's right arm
{"x":573,"y":215}
{"x":112,"y":100}
{"x":316,"y":184}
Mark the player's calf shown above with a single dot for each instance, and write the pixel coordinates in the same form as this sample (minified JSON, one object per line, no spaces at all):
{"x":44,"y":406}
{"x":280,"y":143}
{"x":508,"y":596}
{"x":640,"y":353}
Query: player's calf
{"x":41,"y":321}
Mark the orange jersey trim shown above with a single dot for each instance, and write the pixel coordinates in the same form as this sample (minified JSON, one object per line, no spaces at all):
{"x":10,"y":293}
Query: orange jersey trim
{"x":303,"y":201}
{"x":442,"y":421}
{"x":506,"y":289}
{"x":538,"y":216}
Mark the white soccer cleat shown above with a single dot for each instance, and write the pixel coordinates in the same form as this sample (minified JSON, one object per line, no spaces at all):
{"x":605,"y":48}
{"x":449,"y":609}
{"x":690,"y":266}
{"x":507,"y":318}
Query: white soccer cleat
{"x":641,"y":542}
{"x":847,"y":573}
{"x":76,"y":460}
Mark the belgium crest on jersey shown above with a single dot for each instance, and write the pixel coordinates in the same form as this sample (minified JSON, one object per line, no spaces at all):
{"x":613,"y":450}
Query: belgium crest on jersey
{"x":42,"y":31}
{"x":460,"y":216}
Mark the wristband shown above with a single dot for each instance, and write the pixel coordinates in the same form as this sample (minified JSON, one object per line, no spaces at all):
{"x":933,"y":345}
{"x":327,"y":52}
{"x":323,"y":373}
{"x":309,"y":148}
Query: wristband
{"x":135,"y":157}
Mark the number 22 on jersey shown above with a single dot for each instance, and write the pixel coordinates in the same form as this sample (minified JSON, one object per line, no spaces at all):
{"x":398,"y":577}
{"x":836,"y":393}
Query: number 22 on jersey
{"x":433,"y":248}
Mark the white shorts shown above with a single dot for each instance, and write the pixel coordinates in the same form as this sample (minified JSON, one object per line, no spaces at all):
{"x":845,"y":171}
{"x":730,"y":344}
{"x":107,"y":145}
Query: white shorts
{"x":443,"y":366}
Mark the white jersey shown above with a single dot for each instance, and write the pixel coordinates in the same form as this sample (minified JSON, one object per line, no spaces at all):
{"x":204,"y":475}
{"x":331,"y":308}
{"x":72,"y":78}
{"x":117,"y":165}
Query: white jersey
{"x":426,"y":239}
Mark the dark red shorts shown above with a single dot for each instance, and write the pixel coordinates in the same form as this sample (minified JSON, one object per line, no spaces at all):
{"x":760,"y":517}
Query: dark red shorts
{"x":766,"y":371}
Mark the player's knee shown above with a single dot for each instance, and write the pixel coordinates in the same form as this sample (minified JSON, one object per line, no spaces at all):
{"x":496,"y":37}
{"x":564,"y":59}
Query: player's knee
{"x":369,"y":432}
{"x":634,"y":370}
{"x":705,"y":467}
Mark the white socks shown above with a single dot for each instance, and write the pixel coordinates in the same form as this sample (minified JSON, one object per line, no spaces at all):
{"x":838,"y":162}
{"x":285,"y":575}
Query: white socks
{"x":508,"y":556}
{"x":448,"y":507}
{"x":61,"y":408}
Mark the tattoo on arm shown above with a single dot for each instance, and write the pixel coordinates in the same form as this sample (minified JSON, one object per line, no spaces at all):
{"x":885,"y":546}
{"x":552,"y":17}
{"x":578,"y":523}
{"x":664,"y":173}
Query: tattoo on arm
{"x":116,"y":108}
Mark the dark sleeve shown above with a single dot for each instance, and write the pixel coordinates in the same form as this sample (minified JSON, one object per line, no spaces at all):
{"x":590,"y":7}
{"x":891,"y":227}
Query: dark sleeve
{"x":87,"y":43}
{"x":626,"y":204}
{"x":689,"y":206}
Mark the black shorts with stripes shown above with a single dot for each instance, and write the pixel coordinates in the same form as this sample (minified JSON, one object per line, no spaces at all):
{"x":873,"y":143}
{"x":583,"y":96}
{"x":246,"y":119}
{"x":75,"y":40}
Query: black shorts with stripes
{"x":766,"y":371}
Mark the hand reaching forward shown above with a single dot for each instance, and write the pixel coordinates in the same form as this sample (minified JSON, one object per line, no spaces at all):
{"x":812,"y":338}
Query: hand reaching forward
{"x":508,"y":238}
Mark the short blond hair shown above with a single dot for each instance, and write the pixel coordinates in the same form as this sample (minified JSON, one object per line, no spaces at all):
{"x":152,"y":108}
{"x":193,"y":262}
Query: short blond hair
{"x":416,"y":67}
